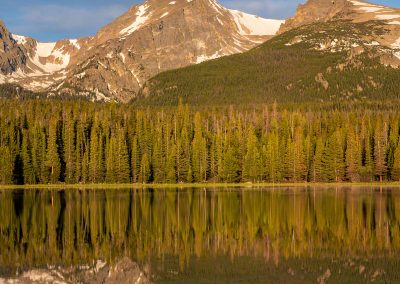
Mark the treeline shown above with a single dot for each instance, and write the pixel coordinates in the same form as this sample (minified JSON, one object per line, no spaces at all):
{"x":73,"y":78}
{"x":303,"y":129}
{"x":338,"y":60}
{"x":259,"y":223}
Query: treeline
{"x":45,"y":142}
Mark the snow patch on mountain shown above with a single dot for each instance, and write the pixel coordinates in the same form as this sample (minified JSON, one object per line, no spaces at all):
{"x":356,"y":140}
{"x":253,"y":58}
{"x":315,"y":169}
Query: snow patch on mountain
{"x":203,"y":57}
{"x":46,"y":49}
{"x":75,"y":43}
{"x":19,"y":39}
{"x":253,"y":25}
{"x":381,"y":12}
{"x":387,"y":16}
{"x":140,"y":20}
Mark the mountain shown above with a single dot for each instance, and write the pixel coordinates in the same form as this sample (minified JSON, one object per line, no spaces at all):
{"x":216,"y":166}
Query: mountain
{"x":329,"y":51}
{"x":157,"y":36}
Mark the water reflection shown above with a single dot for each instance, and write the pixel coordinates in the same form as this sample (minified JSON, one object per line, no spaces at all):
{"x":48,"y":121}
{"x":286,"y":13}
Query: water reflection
{"x":39,"y":227}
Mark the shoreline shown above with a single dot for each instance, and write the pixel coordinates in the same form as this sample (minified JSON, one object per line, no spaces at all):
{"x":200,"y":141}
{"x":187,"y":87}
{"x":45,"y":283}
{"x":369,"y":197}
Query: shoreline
{"x":197,"y":185}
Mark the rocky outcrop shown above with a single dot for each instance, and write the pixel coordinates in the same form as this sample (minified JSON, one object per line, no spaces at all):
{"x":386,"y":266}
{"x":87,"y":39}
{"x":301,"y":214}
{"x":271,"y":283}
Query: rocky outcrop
{"x":12,"y":56}
{"x":316,"y":11}
{"x":352,"y":10}
{"x":385,"y":21}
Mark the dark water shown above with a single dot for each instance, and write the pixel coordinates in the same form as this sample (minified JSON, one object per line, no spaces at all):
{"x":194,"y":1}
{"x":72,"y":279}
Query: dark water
{"x":286,"y":235}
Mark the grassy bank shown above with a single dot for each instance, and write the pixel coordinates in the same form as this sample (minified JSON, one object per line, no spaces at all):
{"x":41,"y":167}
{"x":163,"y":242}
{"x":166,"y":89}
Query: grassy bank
{"x":198,"y":185}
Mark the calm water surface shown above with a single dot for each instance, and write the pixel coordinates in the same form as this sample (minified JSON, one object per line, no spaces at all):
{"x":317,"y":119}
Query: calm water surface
{"x":292,"y":235}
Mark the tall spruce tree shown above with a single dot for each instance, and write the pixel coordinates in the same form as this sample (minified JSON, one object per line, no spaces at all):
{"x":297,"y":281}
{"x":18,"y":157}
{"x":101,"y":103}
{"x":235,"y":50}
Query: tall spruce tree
{"x":380,"y":142}
{"x":353,"y":156}
{"x":52,"y":158}
{"x":199,"y":151}
{"x":396,"y":164}
{"x":252,"y":160}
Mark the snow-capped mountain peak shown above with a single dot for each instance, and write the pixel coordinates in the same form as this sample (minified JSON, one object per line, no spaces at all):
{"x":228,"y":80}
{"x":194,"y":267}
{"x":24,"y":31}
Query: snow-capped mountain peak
{"x":149,"y":38}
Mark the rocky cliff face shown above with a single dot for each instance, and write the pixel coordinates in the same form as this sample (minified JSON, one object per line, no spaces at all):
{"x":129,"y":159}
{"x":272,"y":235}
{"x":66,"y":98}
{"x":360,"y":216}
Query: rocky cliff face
{"x":316,"y":10}
{"x":386,"y":43}
{"x":156,"y":36}
{"x":352,"y":10}
{"x":12,"y":56}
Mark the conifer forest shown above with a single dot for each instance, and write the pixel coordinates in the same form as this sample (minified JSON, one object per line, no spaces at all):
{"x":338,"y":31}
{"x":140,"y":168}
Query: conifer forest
{"x":53,"y":142}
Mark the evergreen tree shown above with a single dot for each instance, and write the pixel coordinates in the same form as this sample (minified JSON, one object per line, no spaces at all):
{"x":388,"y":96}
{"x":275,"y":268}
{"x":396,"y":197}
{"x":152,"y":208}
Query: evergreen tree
{"x":96,"y":161}
{"x":333,"y":159}
{"x":69,"y":149}
{"x":144,"y":176}
{"x":183,"y":156}
{"x":317,"y":164}
{"x":273,"y":162}
{"x":230,"y":168}
{"x":380,"y":151}
{"x":7,"y":165}
{"x":396,"y":164}
{"x":353,"y":156}
{"x":122,"y":157}
{"x":199,"y":151}
{"x":135,"y":160}
{"x":252,"y":161}
{"x":26,"y":154}
{"x":52,"y":158}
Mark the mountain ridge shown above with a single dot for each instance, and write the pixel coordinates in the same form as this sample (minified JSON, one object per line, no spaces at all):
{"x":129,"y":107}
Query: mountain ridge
{"x":349,"y":55}
{"x":149,"y":38}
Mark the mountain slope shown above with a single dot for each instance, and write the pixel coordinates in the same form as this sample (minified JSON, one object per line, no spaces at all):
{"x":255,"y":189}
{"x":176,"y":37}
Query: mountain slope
{"x":349,"y":56}
{"x":156,"y":36}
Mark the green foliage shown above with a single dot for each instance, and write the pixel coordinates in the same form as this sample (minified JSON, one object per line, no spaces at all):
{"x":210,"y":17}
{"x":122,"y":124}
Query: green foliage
{"x":80,"y":142}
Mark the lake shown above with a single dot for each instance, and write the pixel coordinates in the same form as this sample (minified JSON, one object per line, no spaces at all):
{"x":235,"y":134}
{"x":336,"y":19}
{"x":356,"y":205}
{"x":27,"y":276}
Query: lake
{"x":210,"y":235}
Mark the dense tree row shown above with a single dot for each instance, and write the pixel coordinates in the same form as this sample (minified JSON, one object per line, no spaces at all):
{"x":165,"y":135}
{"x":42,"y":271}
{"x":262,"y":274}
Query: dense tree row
{"x":81,"y":142}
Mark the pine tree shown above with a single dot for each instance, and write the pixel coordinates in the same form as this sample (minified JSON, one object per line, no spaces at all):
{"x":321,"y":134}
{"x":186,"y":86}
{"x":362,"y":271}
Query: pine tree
{"x":95,"y":160}
{"x":183,"y":156}
{"x":69,"y":149}
{"x":317,"y":163}
{"x":199,"y":151}
{"x":7,"y":165}
{"x":170,"y":168}
{"x":26,"y":155}
{"x":333,"y":159}
{"x":252,"y":160}
{"x":273,"y":162}
{"x":380,"y":151}
{"x":368,"y":162}
{"x":295,"y":158}
{"x":135,"y":160}
{"x":158,"y":162}
{"x":122,"y":157}
{"x":111,"y":175}
{"x":52,"y":158}
{"x":230,"y":169}
{"x":79,"y":150}
{"x":396,"y":164}
{"x":353,"y":156}
{"x":144,"y":175}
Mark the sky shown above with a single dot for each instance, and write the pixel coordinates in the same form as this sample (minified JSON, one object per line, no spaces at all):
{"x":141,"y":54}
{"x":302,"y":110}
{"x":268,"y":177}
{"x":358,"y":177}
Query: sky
{"x":49,"y":20}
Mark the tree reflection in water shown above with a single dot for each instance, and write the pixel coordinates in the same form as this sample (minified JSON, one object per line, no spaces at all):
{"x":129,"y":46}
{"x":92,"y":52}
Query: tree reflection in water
{"x":39,"y":227}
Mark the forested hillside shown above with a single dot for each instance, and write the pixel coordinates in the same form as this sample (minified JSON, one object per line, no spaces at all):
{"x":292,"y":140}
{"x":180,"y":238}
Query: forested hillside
{"x":321,"y":62}
{"x":81,"y":142}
